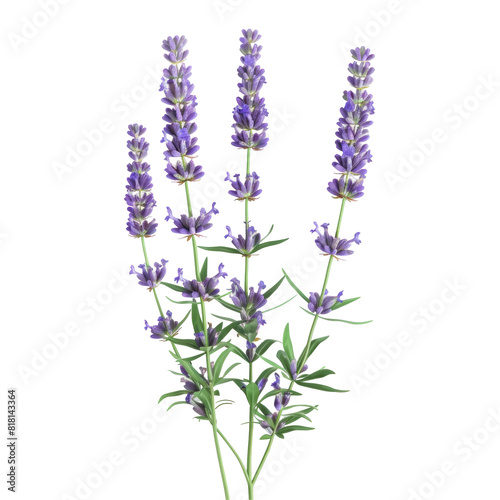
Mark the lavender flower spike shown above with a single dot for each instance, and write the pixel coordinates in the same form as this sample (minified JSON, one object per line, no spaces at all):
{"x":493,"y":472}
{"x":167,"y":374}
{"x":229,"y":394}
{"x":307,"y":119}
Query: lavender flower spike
{"x":250,"y":112}
{"x":148,"y":276}
{"x":180,"y":114}
{"x":192,"y":226}
{"x":330,"y":245}
{"x":140,"y":201}
{"x":326,"y":304}
{"x":353,"y":128}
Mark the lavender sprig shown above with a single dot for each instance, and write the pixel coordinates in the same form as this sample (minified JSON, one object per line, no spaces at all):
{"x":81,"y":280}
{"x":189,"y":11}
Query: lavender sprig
{"x":352,"y":142}
{"x":181,"y":143}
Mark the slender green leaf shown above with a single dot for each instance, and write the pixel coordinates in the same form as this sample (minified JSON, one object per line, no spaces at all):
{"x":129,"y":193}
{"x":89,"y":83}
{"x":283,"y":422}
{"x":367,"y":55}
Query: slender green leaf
{"x":220,"y":363}
{"x":273,"y":288}
{"x":196,"y":318}
{"x":287,"y":343}
{"x":204,"y":270}
{"x":225,"y":331}
{"x":285,"y":360}
{"x":293,"y":417}
{"x":177,"y":288}
{"x":230,"y":369}
{"x":263,"y":347}
{"x":309,"y":408}
{"x":185,"y":342}
{"x":345,"y":302}
{"x":225,"y":318}
{"x":324,"y":372}
{"x":181,"y":322}
{"x":192,"y":358}
{"x":274,"y":392}
{"x":341,"y":320}
{"x":178,"y":301}
{"x":282,"y":304}
{"x":176,"y":404}
{"x":227,"y":305}
{"x":172,"y":395}
{"x":235,"y":349}
{"x":295,"y":287}
{"x":266,"y":373}
{"x":272,"y":363}
{"x":260,"y":246}
{"x":314,"y":344}
{"x":220,"y":249}
{"x":270,"y":231}
{"x":292,"y":428}
{"x":318,"y":387}
{"x":252,"y":393}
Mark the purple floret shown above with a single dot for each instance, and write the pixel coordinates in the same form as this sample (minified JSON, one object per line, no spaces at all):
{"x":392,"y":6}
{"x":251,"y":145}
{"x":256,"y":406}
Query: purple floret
{"x":330,"y":245}
{"x":192,"y":226}
{"x":149,"y":276}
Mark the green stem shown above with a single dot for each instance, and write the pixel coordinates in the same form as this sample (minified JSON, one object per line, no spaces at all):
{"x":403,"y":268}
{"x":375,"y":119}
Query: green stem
{"x":251,"y":416}
{"x":242,"y":465}
{"x":250,"y":439}
{"x":146,"y":260}
{"x":213,"y":417}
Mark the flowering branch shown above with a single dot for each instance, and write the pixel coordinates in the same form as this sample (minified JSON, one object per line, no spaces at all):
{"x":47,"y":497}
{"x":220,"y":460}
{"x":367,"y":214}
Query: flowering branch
{"x":200,"y":387}
{"x":352,"y":136}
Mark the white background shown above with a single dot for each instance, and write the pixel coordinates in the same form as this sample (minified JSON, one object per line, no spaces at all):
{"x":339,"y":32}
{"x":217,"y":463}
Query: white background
{"x":427,"y":230}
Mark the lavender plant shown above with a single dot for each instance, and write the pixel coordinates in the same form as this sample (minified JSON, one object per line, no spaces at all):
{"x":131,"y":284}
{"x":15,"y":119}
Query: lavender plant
{"x":242,"y":334}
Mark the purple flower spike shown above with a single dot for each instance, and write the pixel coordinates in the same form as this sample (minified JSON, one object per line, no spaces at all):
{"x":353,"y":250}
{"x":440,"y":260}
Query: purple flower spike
{"x":248,"y":190}
{"x":139,"y":199}
{"x":180,"y":113}
{"x":213,"y":337}
{"x":192,"y":226}
{"x":245,"y":245}
{"x":250,"y":112}
{"x":326,"y":304}
{"x":353,"y":128}
{"x":205,"y":290}
{"x":166,"y":327}
{"x":148,"y":276}
{"x":330,"y":245}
